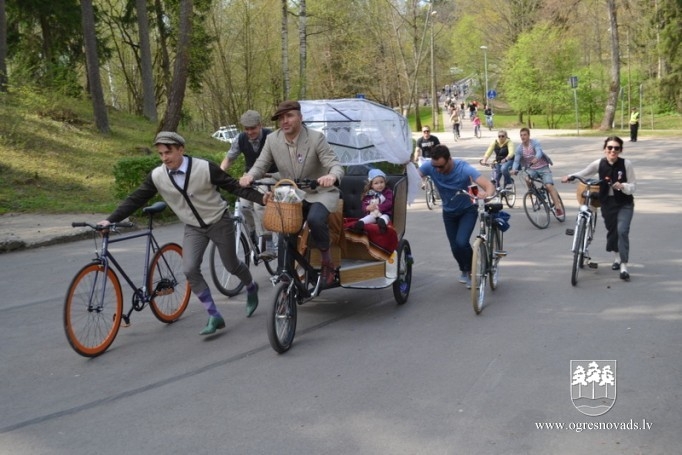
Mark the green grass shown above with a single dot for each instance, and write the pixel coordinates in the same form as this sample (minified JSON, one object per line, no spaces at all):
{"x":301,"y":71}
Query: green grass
{"x":667,"y":125}
{"x":53,"y":160}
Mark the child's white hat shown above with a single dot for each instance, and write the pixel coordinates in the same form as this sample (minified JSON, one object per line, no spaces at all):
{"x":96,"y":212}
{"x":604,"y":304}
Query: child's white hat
{"x":374,"y":173}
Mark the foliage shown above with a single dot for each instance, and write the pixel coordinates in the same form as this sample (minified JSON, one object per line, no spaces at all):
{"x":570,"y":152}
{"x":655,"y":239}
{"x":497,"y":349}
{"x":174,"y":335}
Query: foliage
{"x":538,"y":66}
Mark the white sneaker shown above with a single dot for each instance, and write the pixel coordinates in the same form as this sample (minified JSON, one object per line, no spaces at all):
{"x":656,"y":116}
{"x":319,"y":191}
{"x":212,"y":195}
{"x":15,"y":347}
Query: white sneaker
{"x":464,"y":278}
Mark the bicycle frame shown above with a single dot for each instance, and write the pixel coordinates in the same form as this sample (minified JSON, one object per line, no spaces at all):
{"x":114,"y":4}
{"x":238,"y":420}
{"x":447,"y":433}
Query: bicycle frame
{"x":105,"y":257}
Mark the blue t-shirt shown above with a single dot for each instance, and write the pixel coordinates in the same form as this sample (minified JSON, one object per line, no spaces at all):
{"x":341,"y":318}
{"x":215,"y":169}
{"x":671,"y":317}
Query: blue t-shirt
{"x":459,"y":178}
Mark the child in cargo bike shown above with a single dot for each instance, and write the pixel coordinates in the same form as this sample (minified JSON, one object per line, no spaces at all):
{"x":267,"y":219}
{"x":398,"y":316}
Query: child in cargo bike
{"x":377,"y":202}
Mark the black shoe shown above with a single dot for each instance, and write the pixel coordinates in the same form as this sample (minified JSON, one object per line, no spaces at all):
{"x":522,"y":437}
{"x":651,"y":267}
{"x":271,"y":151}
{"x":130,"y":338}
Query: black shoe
{"x":615,"y":265}
{"x":625,"y":276}
{"x":358,"y":227}
{"x":382,"y":225}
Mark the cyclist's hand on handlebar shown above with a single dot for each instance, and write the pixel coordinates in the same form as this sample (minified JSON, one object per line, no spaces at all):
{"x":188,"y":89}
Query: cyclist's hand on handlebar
{"x":566,"y":178}
{"x":104,"y":224}
{"x":245,"y":180}
{"x":326,"y":180}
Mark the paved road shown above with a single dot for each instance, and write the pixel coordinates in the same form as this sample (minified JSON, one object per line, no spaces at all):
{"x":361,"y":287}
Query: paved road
{"x":366,"y":376}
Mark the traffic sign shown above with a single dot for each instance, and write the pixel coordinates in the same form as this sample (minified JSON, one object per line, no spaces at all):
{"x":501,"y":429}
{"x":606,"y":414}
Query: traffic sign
{"x":492,"y":94}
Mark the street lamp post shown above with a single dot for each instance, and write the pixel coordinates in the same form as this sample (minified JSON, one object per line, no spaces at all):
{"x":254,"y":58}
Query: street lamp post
{"x":485,"y":68}
{"x":434,"y":102}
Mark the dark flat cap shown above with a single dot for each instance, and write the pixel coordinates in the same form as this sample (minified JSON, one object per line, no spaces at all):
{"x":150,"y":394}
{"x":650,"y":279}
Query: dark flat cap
{"x":169,"y":138}
{"x":286,"y":106}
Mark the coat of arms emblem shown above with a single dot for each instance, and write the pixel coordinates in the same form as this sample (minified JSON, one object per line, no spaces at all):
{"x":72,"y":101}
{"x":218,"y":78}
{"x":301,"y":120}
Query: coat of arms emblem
{"x":593,"y":386}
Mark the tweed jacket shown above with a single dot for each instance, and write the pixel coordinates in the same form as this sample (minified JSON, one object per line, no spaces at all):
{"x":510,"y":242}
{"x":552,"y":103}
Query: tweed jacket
{"x":313,"y":158}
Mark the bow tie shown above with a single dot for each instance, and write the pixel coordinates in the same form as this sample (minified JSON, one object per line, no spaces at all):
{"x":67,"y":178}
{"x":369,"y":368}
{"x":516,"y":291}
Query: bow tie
{"x":178,"y":172}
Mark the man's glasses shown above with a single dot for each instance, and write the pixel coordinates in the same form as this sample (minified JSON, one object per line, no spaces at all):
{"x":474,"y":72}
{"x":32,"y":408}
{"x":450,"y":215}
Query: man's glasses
{"x":426,"y":131}
{"x":615,"y":148}
{"x":502,"y":136}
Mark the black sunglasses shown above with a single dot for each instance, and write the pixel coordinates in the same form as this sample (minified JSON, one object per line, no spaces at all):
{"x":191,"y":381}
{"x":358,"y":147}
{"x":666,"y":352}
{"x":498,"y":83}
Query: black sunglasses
{"x":426,"y":131}
{"x":615,"y":148}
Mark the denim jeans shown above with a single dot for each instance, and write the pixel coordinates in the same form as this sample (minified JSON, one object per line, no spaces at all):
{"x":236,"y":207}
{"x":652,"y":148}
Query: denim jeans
{"x":458,"y":228}
{"x":617,"y":220}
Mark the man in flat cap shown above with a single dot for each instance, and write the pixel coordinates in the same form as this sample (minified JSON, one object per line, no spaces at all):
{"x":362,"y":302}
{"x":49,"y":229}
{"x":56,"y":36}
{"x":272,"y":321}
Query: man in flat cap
{"x":301,"y":153}
{"x":250,"y":142}
{"x":190,"y":187}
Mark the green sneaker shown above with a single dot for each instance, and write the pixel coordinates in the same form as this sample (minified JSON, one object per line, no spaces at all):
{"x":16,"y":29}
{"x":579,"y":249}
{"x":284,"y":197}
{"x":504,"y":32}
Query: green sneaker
{"x":214,"y":323}
{"x":252,"y":301}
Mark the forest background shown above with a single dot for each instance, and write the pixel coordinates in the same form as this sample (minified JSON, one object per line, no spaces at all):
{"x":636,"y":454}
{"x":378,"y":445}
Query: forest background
{"x":78,"y":77}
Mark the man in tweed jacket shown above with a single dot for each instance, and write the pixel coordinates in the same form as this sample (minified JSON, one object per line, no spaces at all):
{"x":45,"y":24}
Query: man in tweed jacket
{"x":301,"y":153}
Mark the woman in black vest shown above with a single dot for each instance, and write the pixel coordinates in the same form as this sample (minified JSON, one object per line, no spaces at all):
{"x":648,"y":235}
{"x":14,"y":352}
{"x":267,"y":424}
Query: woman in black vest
{"x":616,"y":198}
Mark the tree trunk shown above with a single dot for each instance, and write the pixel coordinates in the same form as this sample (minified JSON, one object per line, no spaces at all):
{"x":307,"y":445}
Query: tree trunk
{"x":92,"y":63}
{"x":3,"y":47}
{"x":285,"y":50}
{"x":163,"y":45}
{"x":614,"y":87}
{"x":176,"y":97}
{"x":148,"y":96}
{"x":302,"y":26}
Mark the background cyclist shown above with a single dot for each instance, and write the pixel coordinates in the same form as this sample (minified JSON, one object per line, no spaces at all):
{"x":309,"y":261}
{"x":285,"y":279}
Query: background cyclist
{"x":530,"y":155}
{"x":504,"y":154}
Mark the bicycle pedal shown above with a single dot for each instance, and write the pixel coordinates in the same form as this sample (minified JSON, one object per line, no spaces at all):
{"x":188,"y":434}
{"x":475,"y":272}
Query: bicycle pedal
{"x":570,"y":231}
{"x":593,"y":265}
{"x":500,"y":253}
{"x":267,"y":255}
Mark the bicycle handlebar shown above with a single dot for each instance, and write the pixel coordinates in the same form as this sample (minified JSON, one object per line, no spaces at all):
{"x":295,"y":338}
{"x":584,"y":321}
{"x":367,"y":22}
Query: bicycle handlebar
{"x":97,"y":227}
{"x":588,"y":181}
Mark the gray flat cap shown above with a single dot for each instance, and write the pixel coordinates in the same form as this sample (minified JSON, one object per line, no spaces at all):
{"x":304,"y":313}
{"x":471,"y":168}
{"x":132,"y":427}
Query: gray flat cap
{"x":250,"y":119}
{"x":169,"y":138}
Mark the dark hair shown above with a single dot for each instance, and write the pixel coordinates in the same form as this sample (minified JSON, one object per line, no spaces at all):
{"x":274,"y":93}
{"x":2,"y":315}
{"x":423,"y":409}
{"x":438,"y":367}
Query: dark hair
{"x":440,"y":151}
{"x":614,"y":138}
{"x":525,"y":129}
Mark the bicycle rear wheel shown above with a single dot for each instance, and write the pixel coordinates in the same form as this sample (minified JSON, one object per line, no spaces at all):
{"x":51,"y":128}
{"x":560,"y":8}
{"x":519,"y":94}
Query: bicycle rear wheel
{"x":578,"y":252}
{"x":167,"y":284}
{"x":496,"y":236}
{"x":226,"y":283}
{"x":537,"y":210}
{"x":92,"y":310}
{"x":561,"y":218}
{"x":281,"y":322}
{"x":479,"y":266}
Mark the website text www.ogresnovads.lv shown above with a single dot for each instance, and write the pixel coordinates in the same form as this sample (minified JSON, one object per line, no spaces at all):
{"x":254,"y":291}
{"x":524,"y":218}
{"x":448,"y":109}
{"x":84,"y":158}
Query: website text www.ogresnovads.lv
{"x":630,"y":425}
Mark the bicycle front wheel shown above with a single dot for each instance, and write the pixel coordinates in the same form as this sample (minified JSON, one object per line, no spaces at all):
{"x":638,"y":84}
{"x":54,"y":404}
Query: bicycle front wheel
{"x":578,"y":252}
{"x":537,"y":210}
{"x":430,"y":189}
{"x":281,"y":322}
{"x":479,"y":265}
{"x":92,"y":310}
{"x":167,"y":284}
{"x":224,"y":281}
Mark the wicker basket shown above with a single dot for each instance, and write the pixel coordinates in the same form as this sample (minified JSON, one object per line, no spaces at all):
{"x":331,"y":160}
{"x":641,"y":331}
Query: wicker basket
{"x":580,"y":190}
{"x":285,"y":217}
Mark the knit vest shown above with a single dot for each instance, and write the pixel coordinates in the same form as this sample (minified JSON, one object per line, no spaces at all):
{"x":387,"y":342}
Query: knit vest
{"x":251,"y":155}
{"x":199,"y":203}
{"x":615,"y":173}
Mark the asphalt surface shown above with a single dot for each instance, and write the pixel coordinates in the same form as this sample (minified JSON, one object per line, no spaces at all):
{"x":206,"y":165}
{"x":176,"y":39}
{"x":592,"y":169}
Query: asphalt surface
{"x":365,"y":375}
